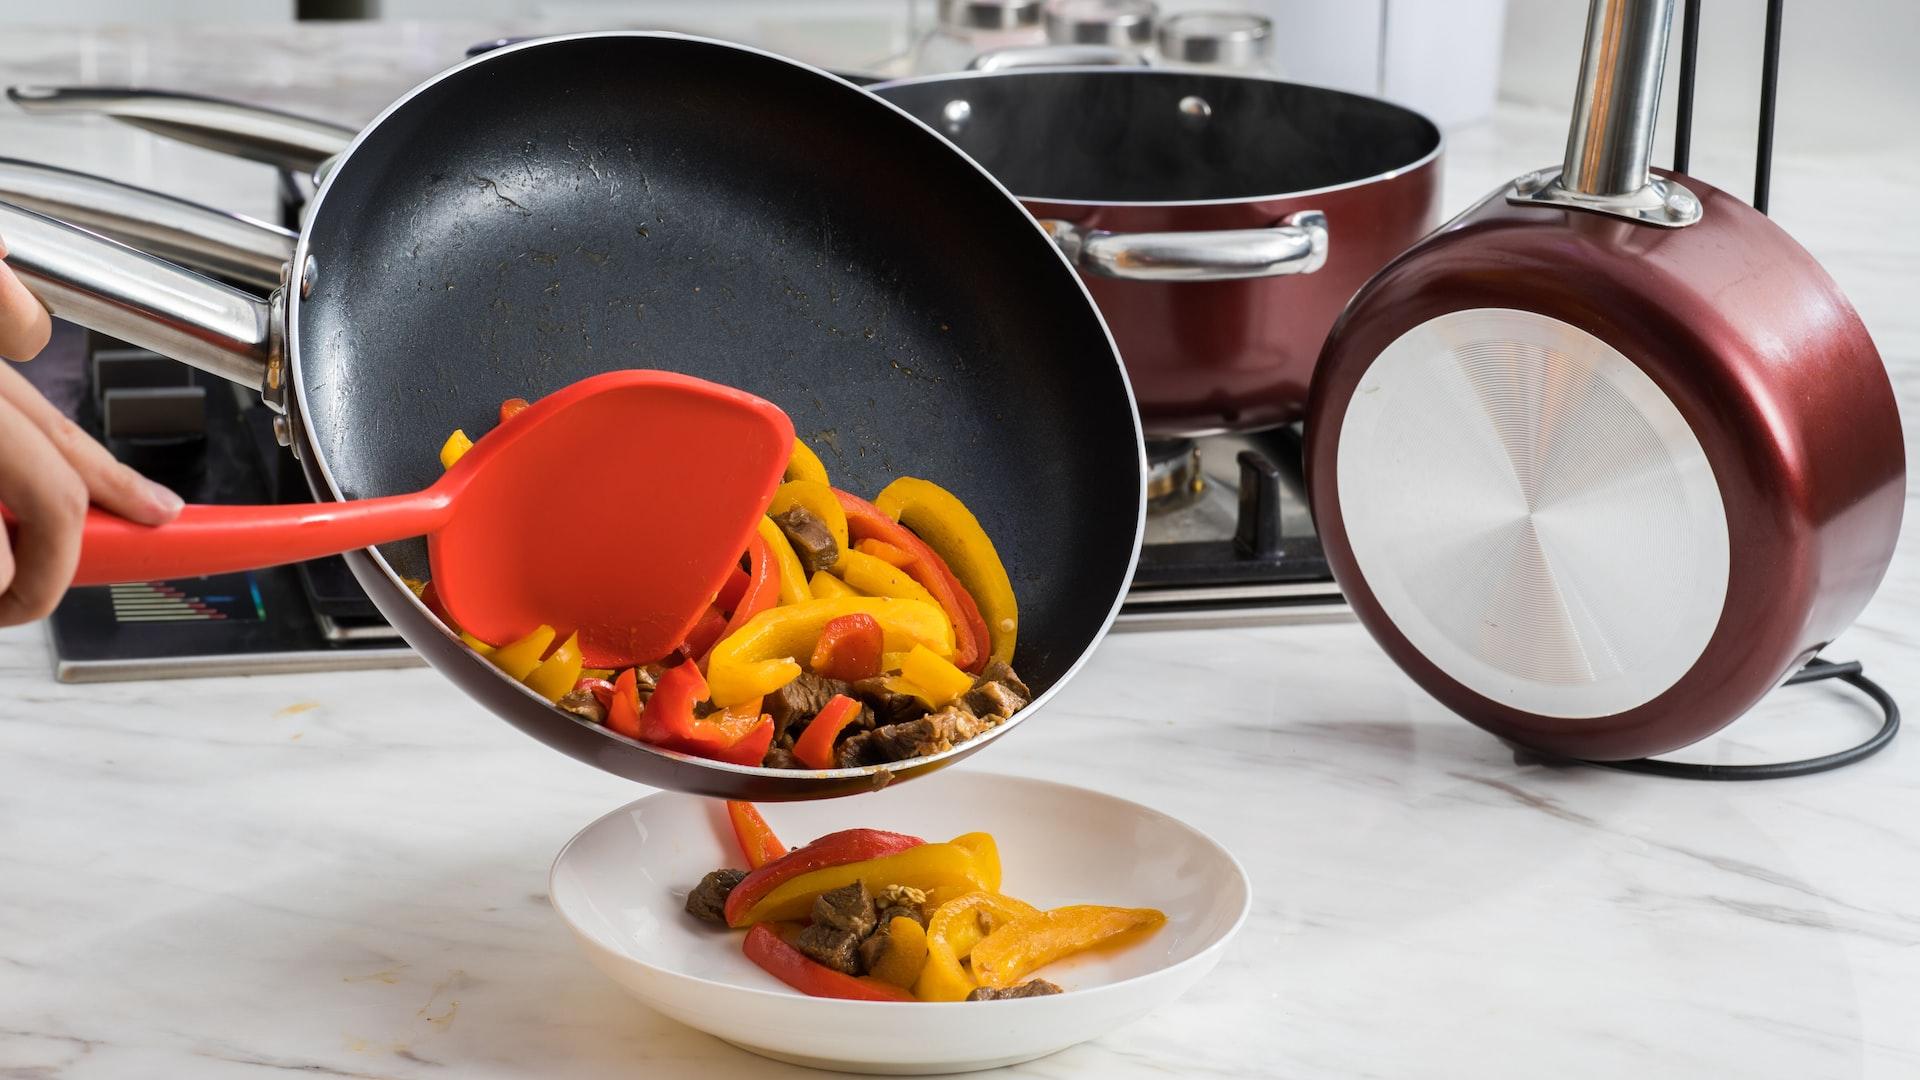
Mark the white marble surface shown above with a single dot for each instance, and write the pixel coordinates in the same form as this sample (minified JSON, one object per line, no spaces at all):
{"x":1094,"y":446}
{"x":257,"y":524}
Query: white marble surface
{"x":344,"y":876}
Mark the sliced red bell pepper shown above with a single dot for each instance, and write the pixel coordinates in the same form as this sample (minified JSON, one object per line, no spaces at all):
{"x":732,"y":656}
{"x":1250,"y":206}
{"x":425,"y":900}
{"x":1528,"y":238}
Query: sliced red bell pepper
{"x":793,"y":967}
{"x":756,"y":838}
{"x":431,"y":599}
{"x":762,"y":590}
{"x":970,"y":642}
{"x":668,"y":721}
{"x":849,"y":648}
{"x":512,"y":407}
{"x":623,"y":709}
{"x":833,"y":849}
{"x":814,"y":747}
{"x":706,"y":632}
{"x":601,"y":689}
{"x":730,"y":593}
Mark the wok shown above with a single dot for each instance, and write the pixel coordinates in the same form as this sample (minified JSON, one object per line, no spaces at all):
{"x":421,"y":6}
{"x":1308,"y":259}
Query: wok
{"x":568,"y":206}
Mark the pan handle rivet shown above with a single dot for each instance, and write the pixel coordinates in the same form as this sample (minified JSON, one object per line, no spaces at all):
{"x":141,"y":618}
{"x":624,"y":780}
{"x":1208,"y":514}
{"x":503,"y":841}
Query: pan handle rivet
{"x":309,"y":271}
{"x":1195,"y":108}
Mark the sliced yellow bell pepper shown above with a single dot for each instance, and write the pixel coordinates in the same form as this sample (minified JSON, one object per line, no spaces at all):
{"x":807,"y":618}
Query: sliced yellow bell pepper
{"x":414,"y":585}
{"x":891,"y":661}
{"x":1024,"y":946}
{"x":925,"y":867}
{"x":793,"y":577}
{"x":595,"y":673}
{"x":825,"y":586}
{"x":804,"y":464}
{"x":475,"y":644}
{"x":759,"y":657}
{"x":877,"y":577}
{"x":940,"y":678}
{"x":555,"y":676}
{"x":955,"y":931}
{"x":905,"y":955}
{"x":951,"y":530}
{"x":519,"y":658}
{"x":986,"y":856}
{"x":900,"y":684}
{"x":816,"y":498}
{"x":454,"y":448}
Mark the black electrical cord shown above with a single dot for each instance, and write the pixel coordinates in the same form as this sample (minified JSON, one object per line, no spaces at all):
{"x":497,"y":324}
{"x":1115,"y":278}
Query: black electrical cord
{"x":1769,"y":84}
{"x":1816,"y":670}
{"x":1683,"y":113}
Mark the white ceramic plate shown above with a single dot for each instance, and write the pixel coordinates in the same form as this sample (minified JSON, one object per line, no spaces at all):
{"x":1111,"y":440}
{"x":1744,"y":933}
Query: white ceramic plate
{"x":621,"y":883}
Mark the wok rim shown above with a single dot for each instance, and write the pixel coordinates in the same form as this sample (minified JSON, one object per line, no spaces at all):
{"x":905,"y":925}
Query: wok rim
{"x":320,"y":477}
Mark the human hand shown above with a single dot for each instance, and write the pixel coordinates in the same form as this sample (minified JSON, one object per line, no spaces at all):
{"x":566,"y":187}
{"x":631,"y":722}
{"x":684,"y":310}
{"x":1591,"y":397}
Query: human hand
{"x":50,"y":470}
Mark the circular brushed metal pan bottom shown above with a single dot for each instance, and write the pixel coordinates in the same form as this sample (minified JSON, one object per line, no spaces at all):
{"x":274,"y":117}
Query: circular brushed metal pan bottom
{"x":1533,"y":513}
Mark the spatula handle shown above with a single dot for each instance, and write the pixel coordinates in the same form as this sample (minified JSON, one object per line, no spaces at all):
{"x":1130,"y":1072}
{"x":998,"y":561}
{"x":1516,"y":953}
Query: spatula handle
{"x":219,"y":539}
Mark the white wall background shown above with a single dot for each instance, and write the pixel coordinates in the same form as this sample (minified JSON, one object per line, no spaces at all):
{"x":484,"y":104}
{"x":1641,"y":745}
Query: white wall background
{"x":1848,"y":77}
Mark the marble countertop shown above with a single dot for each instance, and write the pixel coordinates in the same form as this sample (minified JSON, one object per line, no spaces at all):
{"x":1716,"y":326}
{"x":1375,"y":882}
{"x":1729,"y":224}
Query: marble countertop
{"x":344,"y":876}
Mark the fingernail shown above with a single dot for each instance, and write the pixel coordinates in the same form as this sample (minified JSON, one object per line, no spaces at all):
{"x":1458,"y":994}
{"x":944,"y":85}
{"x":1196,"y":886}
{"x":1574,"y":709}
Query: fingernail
{"x":164,"y":498}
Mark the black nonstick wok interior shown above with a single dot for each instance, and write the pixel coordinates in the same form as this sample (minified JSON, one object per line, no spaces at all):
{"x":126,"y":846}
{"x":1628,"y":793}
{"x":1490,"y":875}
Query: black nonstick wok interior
{"x":1123,"y":135}
{"x":578,"y":205}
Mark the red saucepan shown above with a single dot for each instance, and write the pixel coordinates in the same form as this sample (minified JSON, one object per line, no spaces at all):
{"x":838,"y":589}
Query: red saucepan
{"x":1221,"y":222}
{"x":1604,"y":460}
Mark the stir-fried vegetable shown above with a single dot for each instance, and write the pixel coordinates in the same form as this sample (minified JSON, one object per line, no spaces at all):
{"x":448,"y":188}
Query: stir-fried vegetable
{"x":788,"y":964}
{"x":879,"y":596}
{"x":758,"y":658}
{"x":756,"y":838}
{"x":883,"y":912}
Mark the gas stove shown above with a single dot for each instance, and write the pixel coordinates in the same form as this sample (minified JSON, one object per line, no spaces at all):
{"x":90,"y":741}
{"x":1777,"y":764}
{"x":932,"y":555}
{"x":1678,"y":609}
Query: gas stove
{"x":1229,"y":539}
{"x":212,"y":442}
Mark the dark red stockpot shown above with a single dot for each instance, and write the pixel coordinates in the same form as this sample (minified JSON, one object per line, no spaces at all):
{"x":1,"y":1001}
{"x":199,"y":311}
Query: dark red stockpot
{"x":1221,"y":222}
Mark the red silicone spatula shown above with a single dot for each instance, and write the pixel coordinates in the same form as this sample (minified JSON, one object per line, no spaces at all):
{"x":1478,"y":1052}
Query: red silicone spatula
{"x":677,"y":471}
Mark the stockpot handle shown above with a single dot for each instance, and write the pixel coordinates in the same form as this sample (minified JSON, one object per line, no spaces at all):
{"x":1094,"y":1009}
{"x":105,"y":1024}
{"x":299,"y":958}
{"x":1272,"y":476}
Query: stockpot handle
{"x":198,"y":237}
{"x":144,"y":301}
{"x":1297,"y":246}
{"x":285,"y":140}
{"x":1020,"y":56}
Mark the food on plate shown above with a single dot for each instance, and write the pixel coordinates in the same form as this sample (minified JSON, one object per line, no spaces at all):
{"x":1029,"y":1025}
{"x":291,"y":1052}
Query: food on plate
{"x":871,"y":915}
{"x":852,"y":634}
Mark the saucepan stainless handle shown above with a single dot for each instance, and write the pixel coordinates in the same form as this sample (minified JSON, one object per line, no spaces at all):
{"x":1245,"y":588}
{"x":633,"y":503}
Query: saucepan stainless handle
{"x":112,"y":288}
{"x":1297,"y":246}
{"x":286,"y":140}
{"x":1020,"y":56}
{"x":195,"y":236}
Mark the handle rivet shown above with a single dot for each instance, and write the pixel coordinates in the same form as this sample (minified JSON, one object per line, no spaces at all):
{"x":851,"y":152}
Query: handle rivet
{"x":309,"y":272}
{"x":956,"y":113}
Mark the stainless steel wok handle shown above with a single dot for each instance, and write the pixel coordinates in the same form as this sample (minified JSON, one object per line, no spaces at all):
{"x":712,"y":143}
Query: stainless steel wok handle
{"x":198,"y":237}
{"x":1020,"y":56}
{"x":1298,"y":246}
{"x":285,"y":140}
{"x":141,"y":300}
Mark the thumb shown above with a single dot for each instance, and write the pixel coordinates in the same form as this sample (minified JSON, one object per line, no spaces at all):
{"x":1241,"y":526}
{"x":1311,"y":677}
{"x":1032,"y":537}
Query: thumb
{"x":24,"y":324}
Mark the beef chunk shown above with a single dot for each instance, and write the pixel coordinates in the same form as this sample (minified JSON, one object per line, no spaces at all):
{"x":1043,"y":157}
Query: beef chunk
{"x":931,"y":734}
{"x":901,"y":900}
{"x":583,"y":704}
{"x":872,"y":949}
{"x":793,"y":704}
{"x":997,"y":692}
{"x":708,"y":900}
{"x":780,"y":757}
{"x":846,"y":908}
{"x":1001,"y":672}
{"x":810,"y":537}
{"x":831,"y":946}
{"x":888,"y":707}
{"x":1033,"y":988}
